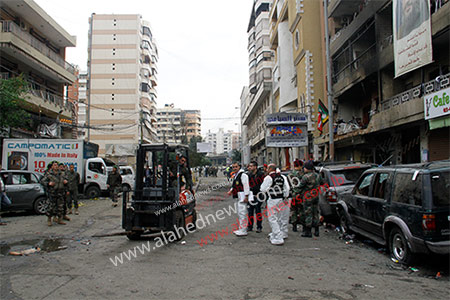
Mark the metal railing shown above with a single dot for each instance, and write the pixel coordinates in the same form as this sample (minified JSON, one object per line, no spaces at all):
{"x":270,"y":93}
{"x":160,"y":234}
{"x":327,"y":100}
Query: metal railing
{"x":419,"y":91}
{"x":10,"y":26}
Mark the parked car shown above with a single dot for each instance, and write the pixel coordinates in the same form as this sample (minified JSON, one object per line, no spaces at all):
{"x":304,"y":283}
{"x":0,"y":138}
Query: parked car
{"x":405,"y":207}
{"x":128,"y":177}
{"x":341,"y":177}
{"x":24,"y":190}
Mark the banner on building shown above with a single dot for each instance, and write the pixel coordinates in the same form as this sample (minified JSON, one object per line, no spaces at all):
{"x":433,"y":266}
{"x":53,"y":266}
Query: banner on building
{"x":286,"y":130}
{"x":412,"y":35}
{"x":204,"y":148}
{"x":322,"y":116}
{"x":437,"y":104}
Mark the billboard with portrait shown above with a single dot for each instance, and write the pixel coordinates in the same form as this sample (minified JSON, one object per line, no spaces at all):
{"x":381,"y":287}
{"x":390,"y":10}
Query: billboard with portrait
{"x":412,"y":35}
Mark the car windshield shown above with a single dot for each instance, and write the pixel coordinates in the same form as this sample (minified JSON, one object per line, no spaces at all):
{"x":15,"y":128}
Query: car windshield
{"x":350,"y":176}
{"x":440,"y":185}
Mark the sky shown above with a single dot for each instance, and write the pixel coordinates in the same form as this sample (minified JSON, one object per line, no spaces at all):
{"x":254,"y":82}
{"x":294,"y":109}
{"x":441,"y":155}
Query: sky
{"x":202,"y":46}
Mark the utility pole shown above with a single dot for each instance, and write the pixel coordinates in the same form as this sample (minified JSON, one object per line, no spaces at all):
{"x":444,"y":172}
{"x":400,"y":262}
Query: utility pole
{"x":88,"y":85}
{"x":329,"y":87}
{"x":141,"y":121}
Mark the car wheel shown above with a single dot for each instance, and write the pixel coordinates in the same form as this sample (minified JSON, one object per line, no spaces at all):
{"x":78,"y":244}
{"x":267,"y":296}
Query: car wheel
{"x":134,"y":236}
{"x":40,"y":205}
{"x":92,"y":192}
{"x":343,"y":221}
{"x":180,"y":223}
{"x":398,"y":247}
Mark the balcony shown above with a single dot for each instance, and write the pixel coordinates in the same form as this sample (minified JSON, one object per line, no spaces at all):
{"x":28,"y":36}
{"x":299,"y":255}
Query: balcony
{"x":406,"y":107}
{"x":25,"y":42}
{"x":362,"y":66}
{"x":363,"y":14}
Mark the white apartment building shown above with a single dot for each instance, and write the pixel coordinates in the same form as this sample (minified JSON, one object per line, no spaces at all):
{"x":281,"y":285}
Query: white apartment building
{"x":221,"y":141}
{"x":122,"y":79}
{"x":82,"y":100}
{"x":169,"y":124}
{"x":256,"y":99}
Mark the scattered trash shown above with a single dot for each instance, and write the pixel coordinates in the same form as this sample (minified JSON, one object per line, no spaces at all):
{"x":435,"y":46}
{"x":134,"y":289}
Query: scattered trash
{"x":62,"y":247}
{"x":25,"y":252}
{"x":394,"y":260}
{"x":81,"y":204}
{"x":414,"y":269}
{"x":88,"y":242}
{"x":319,"y":278}
{"x":381,"y":250}
{"x":349,"y":242}
{"x":338,"y":229}
{"x":369,"y":286}
{"x":291,"y":278}
{"x":438,"y":275}
{"x":183,"y":243}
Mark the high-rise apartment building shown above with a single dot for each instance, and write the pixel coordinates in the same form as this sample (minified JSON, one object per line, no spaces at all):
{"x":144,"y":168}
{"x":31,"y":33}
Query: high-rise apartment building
{"x":33,"y":44}
{"x":256,"y":99}
{"x":222,"y":142}
{"x":169,"y":124}
{"x":191,"y":123}
{"x":82,"y":100}
{"x":176,"y":125}
{"x":122,"y":80}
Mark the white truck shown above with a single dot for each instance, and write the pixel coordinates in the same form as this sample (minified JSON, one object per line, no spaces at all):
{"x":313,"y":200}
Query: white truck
{"x":35,"y":155}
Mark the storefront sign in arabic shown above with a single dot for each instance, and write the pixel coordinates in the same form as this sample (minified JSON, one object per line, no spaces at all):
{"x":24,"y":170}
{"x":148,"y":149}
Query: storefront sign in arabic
{"x":286,"y":130}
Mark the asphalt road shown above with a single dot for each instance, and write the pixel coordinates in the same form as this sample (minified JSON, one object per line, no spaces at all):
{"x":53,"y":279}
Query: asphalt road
{"x":75,"y":265}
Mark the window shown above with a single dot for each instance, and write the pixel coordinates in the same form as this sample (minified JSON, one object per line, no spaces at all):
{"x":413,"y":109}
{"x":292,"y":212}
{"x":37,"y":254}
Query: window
{"x":364,"y":185}
{"x":379,"y":188}
{"x":297,"y":39}
{"x":96,"y":167}
{"x":26,"y":178}
{"x":407,"y":190}
{"x":440,"y":186}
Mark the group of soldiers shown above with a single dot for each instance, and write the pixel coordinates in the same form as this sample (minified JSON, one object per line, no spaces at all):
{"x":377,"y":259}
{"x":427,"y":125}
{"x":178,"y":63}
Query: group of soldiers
{"x":61,"y":186}
{"x":206,"y":171}
{"x":285,"y":199}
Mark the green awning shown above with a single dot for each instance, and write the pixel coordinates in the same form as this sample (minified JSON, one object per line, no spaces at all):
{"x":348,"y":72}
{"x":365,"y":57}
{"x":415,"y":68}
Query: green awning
{"x":439,"y":122}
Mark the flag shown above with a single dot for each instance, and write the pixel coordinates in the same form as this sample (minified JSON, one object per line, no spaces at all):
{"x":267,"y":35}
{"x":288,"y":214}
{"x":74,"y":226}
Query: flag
{"x":322,"y":116}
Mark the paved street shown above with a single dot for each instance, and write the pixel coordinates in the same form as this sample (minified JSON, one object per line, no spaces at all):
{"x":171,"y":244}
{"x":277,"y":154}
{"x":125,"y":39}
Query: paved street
{"x":228,"y":268}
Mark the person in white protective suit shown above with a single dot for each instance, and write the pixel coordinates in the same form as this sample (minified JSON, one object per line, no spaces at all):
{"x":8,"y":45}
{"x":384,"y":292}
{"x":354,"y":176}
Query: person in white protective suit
{"x":276,"y":186}
{"x":240,"y":190}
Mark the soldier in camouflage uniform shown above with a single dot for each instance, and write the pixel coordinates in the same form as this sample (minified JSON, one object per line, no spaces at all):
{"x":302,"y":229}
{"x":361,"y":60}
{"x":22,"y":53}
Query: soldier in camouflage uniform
{"x":55,"y":183}
{"x":63,"y":171}
{"x":310,"y":187}
{"x":186,"y":173}
{"x":114,"y":183}
{"x":297,"y":205}
{"x":74,"y":180}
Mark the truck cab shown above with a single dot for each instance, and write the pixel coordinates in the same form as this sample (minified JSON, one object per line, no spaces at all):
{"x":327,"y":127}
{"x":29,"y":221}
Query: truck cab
{"x":97,"y":170}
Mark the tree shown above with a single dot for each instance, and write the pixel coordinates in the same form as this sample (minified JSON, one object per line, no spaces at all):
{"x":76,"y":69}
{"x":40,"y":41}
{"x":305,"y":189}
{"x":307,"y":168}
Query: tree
{"x":235,"y":156}
{"x":196,"y":159}
{"x":11,"y":102}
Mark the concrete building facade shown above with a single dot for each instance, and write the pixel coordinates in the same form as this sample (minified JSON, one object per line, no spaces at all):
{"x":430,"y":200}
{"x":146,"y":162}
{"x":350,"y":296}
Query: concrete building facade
{"x":379,"y":117}
{"x":175,"y":125}
{"x":34,"y":45}
{"x":298,"y":73}
{"x":122,"y":80}
{"x":256,"y":98}
{"x":82,"y":101}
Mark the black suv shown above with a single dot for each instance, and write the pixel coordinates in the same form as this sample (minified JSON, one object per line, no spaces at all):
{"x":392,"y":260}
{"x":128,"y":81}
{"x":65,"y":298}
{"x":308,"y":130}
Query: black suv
{"x":405,"y":207}
{"x":340,"y":177}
